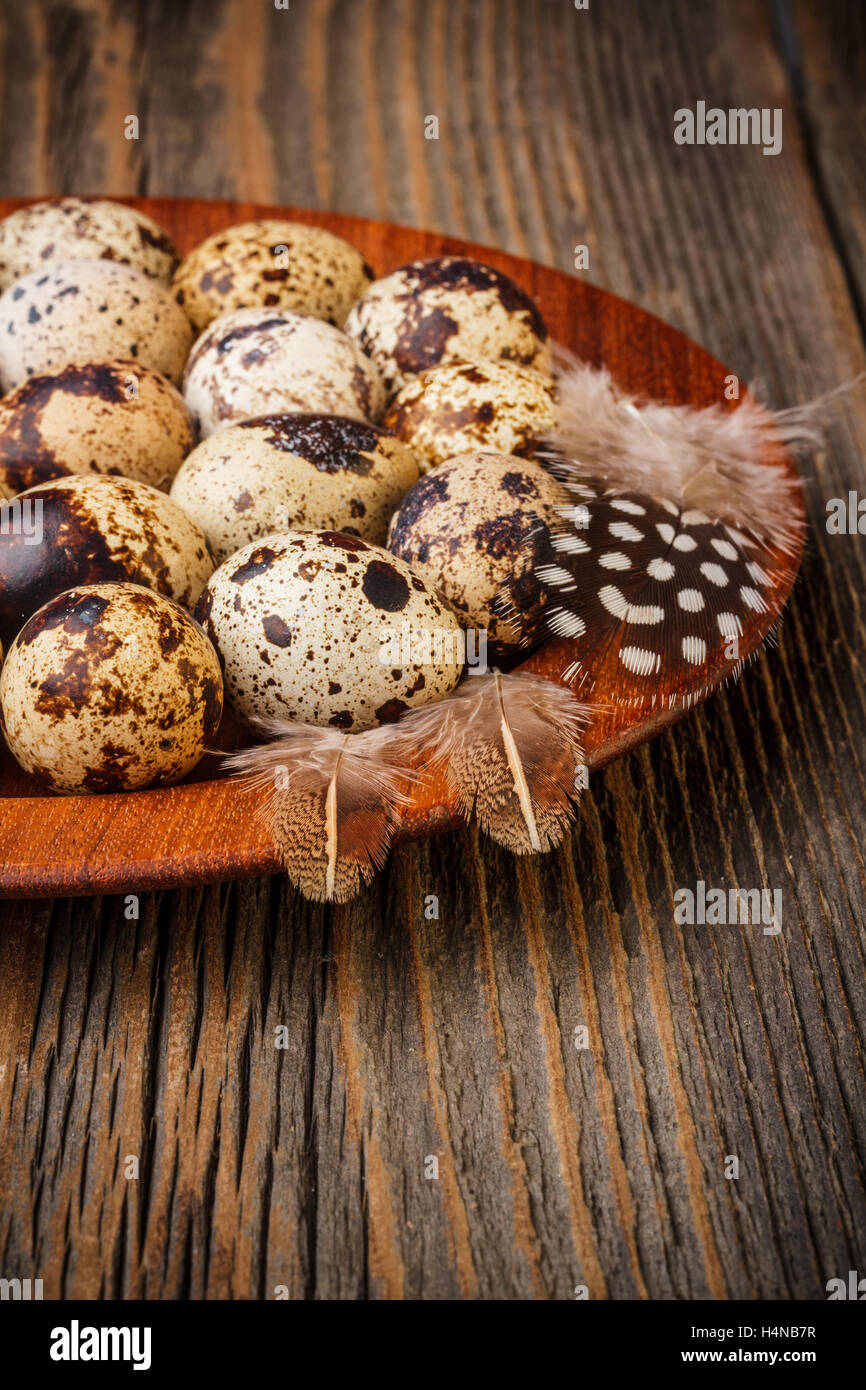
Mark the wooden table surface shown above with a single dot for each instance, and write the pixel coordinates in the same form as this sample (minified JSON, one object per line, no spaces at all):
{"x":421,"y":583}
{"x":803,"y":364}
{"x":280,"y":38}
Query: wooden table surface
{"x":308,"y":1167}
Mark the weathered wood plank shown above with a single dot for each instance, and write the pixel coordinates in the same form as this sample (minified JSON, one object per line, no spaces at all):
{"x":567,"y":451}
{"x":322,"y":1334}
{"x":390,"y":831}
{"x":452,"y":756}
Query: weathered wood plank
{"x":454,"y":1037}
{"x":825,"y":53}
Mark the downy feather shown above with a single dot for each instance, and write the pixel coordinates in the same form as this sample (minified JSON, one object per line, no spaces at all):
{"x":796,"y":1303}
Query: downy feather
{"x":331,"y":802}
{"x":716,"y":460}
{"x":509,"y":747}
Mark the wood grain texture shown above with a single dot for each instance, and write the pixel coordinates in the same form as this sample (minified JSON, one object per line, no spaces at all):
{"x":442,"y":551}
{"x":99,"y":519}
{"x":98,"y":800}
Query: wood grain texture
{"x":409,"y":1037}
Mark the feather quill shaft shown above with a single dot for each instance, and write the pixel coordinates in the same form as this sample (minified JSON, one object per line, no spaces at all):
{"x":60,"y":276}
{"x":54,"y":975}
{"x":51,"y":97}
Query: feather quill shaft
{"x":332,"y":829}
{"x":520,"y":784}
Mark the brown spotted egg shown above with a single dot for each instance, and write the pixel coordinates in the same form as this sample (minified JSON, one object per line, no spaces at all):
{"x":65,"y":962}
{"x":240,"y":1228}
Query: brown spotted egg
{"x":293,"y":473}
{"x":82,"y":530}
{"x":94,"y":417}
{"x":83,"y":229}
{"x":466,"y":528}
{"x":448,"y":309}
{"x":282,"y":265}
{"x":110,"y":687}
{"x":325,"y":628}
{"x":89,"y":311}
{"x":493,"y":406}
{"x":265,"y":361}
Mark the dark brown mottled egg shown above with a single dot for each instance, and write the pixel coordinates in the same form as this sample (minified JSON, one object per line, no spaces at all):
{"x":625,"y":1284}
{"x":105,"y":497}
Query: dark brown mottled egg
{"x":325,"y":628}
{"x":293,"y":473}
{"x":466,"y":528}
{"x":447,"y":309}
{"x":89,"y":311}
{"x":83,"y":229}
{"x":94,"y":417}
{"x":82,"y":530}
{"x":279,"y":265}
{"x":452,"y":410}
{"x":110,"y":687}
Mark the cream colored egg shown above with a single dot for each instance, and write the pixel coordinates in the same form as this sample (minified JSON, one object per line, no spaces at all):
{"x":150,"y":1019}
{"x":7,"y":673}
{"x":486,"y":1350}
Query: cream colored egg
{"x":293,"y":473}
{"x":447,"y":309}
{"x":468,"y":529}
{"x":457,"y":409}
{"x":94,"y":417}
{"x":110,"y":687}
{"x":267,"y":361}
{"x":89,"y":311}
{"x":83,"y":229}
{"x":83,"y":530}
{"x":324,"y":628}
{"x":283,"y":265}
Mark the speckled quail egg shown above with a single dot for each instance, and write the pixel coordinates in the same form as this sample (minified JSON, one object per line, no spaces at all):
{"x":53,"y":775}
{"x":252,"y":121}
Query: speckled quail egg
{"x":466,"y":528}
{"x":110,"y":687}
{"x":451,"y":410}
{"x":293,"y":473}
{"x":83,"y":229}
{"x":82,"y":530}
{"x":283,"y":265}
{"x":448,"y":309}
{"x":325,"y":628}
{"x":89,"y":311}
{"x":94,"y":417}
{"x":265,"y":361}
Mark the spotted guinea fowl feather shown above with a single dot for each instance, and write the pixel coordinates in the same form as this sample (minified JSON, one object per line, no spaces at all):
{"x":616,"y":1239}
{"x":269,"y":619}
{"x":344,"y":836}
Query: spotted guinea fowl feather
{"x":509,"y":748}
{"x":330,"y":804}
{"x":674,"y":558}
{"x":658,"y":602}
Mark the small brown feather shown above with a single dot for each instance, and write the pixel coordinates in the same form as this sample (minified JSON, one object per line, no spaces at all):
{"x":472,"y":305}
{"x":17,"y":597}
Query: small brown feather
{"x":331,"y":802}
{"x":509,"y":747}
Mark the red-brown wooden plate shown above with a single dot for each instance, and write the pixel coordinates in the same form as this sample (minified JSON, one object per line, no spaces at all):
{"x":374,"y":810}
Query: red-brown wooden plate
{"x":205,"y":831}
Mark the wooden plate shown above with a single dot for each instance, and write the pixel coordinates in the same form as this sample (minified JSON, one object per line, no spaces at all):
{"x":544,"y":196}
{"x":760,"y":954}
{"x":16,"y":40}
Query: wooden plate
{"x":205,"y":831}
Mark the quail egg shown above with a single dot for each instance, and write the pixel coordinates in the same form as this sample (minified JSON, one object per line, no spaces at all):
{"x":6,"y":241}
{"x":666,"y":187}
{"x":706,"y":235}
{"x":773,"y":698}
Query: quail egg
{"x":110,"y":687}
{"x":451,"y":410}
{"x":283,"y":265}
{"x":260,"y":362}
{"x":293,"y":473}
{"x":82,"y":530}
{"x":467,"y":530}
{"x":94,"y":417}
{"x":83,"y":229}
{"x":325,"y":628}
{"x":448,"y":309}
{"x":88,"y":311}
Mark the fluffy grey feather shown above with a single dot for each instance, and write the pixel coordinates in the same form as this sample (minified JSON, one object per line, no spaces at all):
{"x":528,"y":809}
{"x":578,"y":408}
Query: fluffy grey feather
{"x":726,"y":463}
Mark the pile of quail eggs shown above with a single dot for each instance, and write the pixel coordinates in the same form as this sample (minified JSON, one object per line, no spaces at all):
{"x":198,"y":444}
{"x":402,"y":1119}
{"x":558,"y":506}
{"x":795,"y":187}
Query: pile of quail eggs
{"x":259,"y":476}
